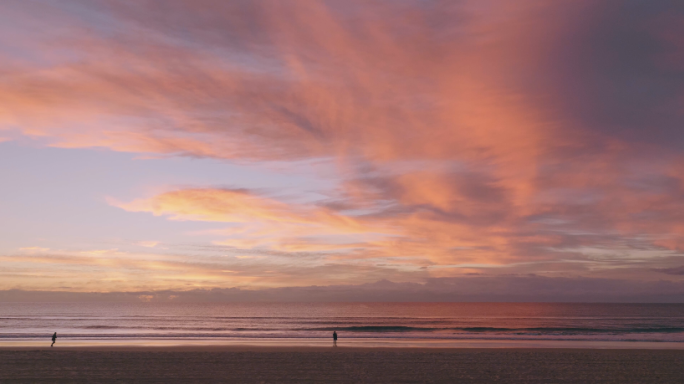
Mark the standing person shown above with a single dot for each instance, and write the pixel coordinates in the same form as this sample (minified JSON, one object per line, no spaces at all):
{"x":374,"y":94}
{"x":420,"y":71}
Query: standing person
{"x":334,"y":338}
{"x":54,"y":338}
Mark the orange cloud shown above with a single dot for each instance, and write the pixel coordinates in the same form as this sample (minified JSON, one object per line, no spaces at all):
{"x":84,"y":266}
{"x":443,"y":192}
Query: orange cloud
{"x":148,"y":244}
{"x":259,"y":221}
{"x":125,"y":271}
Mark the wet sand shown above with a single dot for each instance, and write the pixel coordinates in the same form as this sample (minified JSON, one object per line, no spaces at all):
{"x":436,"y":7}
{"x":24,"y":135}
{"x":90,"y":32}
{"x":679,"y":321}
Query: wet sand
{"x":253,"y":364}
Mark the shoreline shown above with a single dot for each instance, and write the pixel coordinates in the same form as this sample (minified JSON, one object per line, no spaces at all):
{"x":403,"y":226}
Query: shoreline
{"x":324,"y":344}
{"x":275,"y":348}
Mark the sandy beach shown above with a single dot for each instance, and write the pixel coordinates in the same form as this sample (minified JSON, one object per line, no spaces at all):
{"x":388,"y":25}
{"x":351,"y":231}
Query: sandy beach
{"x":250,"y":364}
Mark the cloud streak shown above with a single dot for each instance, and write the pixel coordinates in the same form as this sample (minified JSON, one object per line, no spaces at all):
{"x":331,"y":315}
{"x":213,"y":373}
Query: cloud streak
{"x":467,"y":289}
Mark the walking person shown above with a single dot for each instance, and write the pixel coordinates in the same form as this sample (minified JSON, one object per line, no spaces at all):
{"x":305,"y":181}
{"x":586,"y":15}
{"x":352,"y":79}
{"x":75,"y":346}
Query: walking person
{"x":54,"y":338}
{"x":334,"y":338}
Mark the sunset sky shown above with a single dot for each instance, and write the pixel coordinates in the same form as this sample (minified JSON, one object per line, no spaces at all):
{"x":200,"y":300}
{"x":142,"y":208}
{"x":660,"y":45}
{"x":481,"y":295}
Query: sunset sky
{"x":175,"y":145}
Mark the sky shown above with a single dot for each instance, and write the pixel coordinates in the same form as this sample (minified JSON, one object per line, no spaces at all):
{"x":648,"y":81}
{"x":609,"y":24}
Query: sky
{"x":258,"y":145}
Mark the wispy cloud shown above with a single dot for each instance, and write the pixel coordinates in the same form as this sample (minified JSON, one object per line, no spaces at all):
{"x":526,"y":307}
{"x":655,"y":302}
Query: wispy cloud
{"x":677,"y":271}
{"x":258,"y":221}
{"x":148,"y":244}
{"x":34,"y":249}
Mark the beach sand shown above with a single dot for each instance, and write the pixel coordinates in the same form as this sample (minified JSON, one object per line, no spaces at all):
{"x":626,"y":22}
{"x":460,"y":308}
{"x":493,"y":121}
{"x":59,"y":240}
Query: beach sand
{"x":245,"y":364}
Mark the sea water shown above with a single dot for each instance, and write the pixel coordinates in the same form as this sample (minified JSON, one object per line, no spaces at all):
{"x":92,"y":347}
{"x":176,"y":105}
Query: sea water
{"x":126,"y":322}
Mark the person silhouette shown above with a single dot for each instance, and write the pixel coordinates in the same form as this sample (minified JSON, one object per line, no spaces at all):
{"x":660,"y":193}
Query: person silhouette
{"x":334,"y":338}
{"x":54,"y":338}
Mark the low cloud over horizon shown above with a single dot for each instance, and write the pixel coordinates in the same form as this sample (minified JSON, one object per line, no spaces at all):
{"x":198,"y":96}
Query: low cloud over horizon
{"x":462,"y":289}
{"x":212,"y":144}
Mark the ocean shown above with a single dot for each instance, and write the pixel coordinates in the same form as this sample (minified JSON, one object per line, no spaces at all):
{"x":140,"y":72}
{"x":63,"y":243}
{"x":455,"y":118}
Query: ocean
{"x":126,"y":322}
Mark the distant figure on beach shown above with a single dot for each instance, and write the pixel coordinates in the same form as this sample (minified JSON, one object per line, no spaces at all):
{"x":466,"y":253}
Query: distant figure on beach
{"x":334,"y":338}
{"x":54,"y":338}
